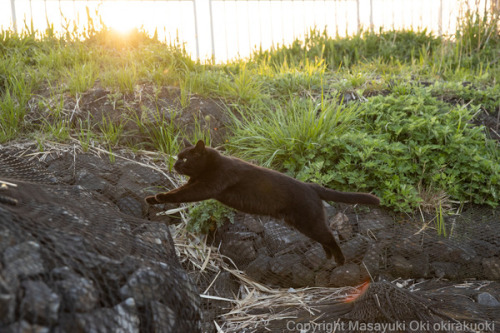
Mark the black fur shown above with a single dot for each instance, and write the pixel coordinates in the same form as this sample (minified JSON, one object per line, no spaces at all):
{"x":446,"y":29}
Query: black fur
{"x":256,"y":190}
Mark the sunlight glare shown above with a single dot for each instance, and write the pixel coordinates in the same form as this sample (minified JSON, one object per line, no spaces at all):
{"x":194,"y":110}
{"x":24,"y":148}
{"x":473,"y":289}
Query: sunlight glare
{"x":122,"y":19}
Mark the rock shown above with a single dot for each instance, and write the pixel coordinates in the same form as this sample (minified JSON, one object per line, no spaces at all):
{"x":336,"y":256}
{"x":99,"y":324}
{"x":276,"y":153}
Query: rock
{"x":78,"y":294}
{"x":40,"y":304}
{"x":130,"y":206}
{"x":252,"y":223}
{"x":283,"y":265}
{"x":302,"y":276}
{"x":408,"y":247}
{"x":491,"y":268}
{"x":346,"y":275}
{"x":155,"y":240}
{"x":420,"y":265}
{"x":25,"y":327}
{"x":355,"y":248}
{"x":340,"y":223}
{"x":164,"y":318}
{"x":259,"y":268}
{"x":90,"y":181}
{"x":448,"y":270}
{"x":121,"y":318}
{"x":241,"y":251}
{"x":281,"y":239}
{"x":22,"y":260}
{"x":402,"y":266}
{"x":374,"y":222}
{"x":225,"y":286}
{"x":7,"y":303}
{"x":487,"y":299}
{"x":144,"y":285}
{"x":322,"y":279}
{"x":62,"y":273}
{"x":315,"y":257}
{"x":371,"y":260}
{"x":485,"y":249}
{"x":7,"y":236}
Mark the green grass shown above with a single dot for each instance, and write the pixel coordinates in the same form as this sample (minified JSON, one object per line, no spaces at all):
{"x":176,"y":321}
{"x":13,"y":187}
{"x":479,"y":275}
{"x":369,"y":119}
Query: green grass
{"x":391,"y":112}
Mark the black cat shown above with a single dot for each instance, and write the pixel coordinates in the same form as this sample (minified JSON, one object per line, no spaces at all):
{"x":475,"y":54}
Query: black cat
{"x":256,"y":190}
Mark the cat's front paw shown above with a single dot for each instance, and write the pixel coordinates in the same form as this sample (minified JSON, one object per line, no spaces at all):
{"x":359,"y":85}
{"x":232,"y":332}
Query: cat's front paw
{"x":151,"y":200}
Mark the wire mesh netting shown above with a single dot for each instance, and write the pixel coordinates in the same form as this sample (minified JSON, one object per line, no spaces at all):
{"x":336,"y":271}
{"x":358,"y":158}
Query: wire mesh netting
{"x":81,"y":252}
{"x":77,"y":256}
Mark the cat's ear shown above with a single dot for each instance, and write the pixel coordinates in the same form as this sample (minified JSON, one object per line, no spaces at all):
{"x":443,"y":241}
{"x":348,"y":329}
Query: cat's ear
{"x":200,"y":146}
{"x":186,"y":143}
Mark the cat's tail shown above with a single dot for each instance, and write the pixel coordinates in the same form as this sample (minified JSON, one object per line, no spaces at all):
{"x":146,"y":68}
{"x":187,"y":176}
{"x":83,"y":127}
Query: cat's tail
{"x":345,"y":197}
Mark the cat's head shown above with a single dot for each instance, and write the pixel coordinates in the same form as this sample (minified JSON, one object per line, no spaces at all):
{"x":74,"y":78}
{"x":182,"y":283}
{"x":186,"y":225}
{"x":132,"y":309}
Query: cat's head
{"x":192,"y":160}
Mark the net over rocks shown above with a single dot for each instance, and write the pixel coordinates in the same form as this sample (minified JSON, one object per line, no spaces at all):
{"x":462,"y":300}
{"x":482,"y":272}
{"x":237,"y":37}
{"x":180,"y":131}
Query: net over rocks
{"x":76,"y":256}
{"x":80,"y":251}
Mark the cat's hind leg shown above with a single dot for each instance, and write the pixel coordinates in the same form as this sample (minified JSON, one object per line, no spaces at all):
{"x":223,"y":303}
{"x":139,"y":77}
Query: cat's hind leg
{"x":314,"y":226}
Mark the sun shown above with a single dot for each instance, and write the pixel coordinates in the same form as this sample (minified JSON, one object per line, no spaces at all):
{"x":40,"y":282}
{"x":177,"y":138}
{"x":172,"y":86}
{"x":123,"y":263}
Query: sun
{"x":122,"y":19}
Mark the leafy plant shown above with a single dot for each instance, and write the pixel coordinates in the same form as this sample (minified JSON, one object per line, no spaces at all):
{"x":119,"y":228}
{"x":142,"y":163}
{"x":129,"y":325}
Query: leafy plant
{"x":208,"y":215}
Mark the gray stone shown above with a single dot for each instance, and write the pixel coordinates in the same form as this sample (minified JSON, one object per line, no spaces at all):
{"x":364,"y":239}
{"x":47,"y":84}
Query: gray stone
{"x":420,"y":264}
{"x":130,"y":206}
{"x":280,"y":238}
{"x":7,"y":303}
{"x":259,"y":268}
{"x":225,"y":286}
{"x":315,"y":257}
{"x":7,"y":237}
{"x":302,"y":276}
{"x":78,"y":294}
{"x":22,"y":260}
{"x":491,"y":268}
{"x":346,"y":275}
{"x":90,"y":181}
{"x":447,"y":270}
{"x":164,"y":318}
{"x":25,"y":327}
{"x":371,"y":260}
{"x":62,"y":273}
{"x":402,"y":266}
{"x":377,"y":220}
{"x":340,"y":223}
{"x":485,"y":249}
{"x":283,"y":265}
{"x":252,"y":223}
{"x":144,"y":285}
{"x":322,"y":279}
{"x":487,"y":299}
{"x":121,"y":318}
{"x":241,"y":251}
{"x":40,"y":304}
{"x":355,"y":248}
{"x":155,"y":240}
{"x":408,"y":246}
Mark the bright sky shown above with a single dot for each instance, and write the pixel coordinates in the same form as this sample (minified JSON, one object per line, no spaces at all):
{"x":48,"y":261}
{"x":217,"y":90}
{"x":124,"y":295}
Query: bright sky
{"x":238,"y":26}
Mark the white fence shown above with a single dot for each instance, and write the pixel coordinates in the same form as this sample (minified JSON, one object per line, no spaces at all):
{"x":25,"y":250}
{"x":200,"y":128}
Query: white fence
{"x":225,"y":29}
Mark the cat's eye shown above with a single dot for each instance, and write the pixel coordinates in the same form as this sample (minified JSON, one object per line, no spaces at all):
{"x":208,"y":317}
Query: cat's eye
{"x":184,"y":160}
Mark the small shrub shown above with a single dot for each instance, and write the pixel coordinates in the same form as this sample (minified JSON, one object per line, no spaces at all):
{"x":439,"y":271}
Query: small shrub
{"x":209,"y":215}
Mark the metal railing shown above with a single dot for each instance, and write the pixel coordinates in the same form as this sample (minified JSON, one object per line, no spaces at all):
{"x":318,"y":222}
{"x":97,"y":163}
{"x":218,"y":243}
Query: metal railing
{"x":224,"y":29}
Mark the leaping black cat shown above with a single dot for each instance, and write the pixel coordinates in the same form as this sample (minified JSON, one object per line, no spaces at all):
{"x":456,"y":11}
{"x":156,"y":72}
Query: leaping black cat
{"x":256,"y":190}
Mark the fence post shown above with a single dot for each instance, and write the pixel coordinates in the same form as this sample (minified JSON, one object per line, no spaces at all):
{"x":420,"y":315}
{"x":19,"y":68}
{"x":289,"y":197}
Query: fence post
{"x":359,"y":18}
{"x":13,"y":10}
{"x":440,"y":18}
{"x":212,"y":29}
{"x":196,"y":30}
{"x":371,"y":16}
